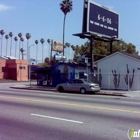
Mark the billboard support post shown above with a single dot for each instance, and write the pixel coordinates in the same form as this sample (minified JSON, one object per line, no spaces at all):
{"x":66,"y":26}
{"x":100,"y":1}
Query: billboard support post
{"x":91,"y":55}
{"x":51,"y":49}
{"x":111,"y":49}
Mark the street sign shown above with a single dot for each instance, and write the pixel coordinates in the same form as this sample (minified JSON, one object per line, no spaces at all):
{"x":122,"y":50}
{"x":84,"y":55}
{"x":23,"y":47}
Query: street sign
{"x":86,"y":60}
{"x":101,"y":21}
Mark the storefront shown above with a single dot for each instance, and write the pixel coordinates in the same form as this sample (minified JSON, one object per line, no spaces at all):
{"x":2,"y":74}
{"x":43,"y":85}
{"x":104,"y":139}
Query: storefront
{"x":60,"y":73}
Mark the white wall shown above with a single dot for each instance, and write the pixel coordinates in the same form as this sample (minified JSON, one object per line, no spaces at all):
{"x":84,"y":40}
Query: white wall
{"x":77,"y":70}
{"x":118,"y":62}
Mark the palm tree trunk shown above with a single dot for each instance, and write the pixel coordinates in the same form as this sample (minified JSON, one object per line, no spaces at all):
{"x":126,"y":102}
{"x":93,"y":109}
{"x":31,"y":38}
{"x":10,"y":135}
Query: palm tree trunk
{"x":42,"y":52}
{"x":36,"y":53}
{"x":22,"y":52}
{"x":19,"y":48}
{"x":15,"y":47}
{"x":50,"y":45}
{"x":1,"y":44}
{"x":27,"y":50}
{"x":64,"y":32}
{"x":22,"y":55}
{"x":6,"y":46}
{"x":11,"y":46}
{"x":51,"y":49}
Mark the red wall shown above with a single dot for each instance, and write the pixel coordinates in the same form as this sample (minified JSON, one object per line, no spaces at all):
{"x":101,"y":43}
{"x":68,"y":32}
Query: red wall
{"x":14,"y":70}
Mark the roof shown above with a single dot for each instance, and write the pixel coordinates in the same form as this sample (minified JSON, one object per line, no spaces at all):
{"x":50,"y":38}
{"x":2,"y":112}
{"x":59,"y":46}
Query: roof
{"x":132,"y":56}
{"x":8,"y":57}
{"x":72,"y":64}
{"x":3,"y":57}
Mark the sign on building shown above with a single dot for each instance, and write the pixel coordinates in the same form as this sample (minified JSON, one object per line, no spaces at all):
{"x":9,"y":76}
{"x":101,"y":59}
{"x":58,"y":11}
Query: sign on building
{"x":57,"y":46}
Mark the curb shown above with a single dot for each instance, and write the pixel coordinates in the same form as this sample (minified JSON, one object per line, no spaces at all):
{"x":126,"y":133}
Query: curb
{"x":41,"y":89}
{"x":111,"y":94}
{"x":28,"y":88}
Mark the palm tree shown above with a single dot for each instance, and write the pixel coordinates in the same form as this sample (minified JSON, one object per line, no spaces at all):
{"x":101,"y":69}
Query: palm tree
{"x":73,"y":48}
{"x":42,"y":41}
{"x":11,"y":34}
{"x":16,"y":39}
{"x":6,"y":36}
{"x":22,"y":50}
{"x":49,"y":42}
{"x":28,"y":36}
{"x":2,"y":33}
{"x":67,"y":45}
{"x":36,"y":42}
{"x":22,"y":39}
{"x":19,"y":35}
{"x":65,"y":6}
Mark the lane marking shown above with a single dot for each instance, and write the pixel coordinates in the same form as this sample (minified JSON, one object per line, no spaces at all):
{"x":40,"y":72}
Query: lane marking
{"x":71,"y":104}
{"x":55,"y":118}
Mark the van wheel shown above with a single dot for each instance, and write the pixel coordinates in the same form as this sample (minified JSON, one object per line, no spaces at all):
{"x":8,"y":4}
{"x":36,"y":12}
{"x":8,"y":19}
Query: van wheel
{"x":60,"y":89}
{"x":82,"y":90}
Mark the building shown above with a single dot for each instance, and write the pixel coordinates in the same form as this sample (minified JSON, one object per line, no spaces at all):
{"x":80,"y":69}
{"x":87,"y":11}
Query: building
{"x":61,"y":72}
{"x":14,"y":69}
{"x":119,"y":71}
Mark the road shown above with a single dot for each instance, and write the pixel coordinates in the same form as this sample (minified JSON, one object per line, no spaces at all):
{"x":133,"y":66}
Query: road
{"x":45,"y":115}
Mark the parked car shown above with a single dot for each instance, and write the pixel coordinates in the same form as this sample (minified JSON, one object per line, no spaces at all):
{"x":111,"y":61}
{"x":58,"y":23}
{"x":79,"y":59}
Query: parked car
{"x":78,"y":85}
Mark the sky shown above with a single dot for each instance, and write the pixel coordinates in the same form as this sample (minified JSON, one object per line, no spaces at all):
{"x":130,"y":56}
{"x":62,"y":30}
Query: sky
{"x":44,"y":19}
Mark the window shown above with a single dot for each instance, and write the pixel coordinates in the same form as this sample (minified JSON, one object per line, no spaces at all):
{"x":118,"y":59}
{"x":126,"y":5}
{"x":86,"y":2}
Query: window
{"x":4,"y":69}
{"x":22,"y":68}
{"x":79,"y":81}
{"x":71,"y":82}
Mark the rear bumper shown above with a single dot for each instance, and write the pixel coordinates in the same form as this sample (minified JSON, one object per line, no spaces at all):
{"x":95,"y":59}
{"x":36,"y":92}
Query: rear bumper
{"x":93,"y":90}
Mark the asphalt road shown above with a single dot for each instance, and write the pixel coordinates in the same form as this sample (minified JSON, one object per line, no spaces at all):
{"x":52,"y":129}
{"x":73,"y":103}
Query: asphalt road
{"x":42,"y":115}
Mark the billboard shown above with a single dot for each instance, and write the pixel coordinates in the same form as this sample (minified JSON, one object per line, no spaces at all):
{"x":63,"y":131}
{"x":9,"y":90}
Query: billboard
{"x":57,"y":46}
{"x":101,"y":20}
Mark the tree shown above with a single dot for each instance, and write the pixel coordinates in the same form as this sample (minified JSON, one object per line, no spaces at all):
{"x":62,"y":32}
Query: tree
{"x":73,"y":49}
{"x":11,"y":35}
{"x":2,"y":33}
{"x":28,"y":36}
{"x":16,"y":39}
{"x":102,"y":49}
{"x":67,"y":45}
{"x":19,"y":35}
{"x":42,"y":42}
{"x":36,"y":42}
{"x":22,"y":39}
{"x":65,"y":6}
{"x":6,"y":37}
{"x":50,"y":47}
{"x":49,"y":62}
{"x":22,"y":50}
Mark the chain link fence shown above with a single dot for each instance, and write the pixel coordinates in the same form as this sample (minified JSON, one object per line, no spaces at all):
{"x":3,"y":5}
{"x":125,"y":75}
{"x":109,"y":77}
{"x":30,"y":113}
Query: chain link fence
{"x":114,"y":81}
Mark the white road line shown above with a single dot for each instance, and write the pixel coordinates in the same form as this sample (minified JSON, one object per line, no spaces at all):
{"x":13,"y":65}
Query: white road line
{"x":38,"y":115}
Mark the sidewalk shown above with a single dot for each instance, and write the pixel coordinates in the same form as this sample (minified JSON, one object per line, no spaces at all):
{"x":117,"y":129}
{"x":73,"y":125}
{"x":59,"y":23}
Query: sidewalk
{"x":132,"y":94}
